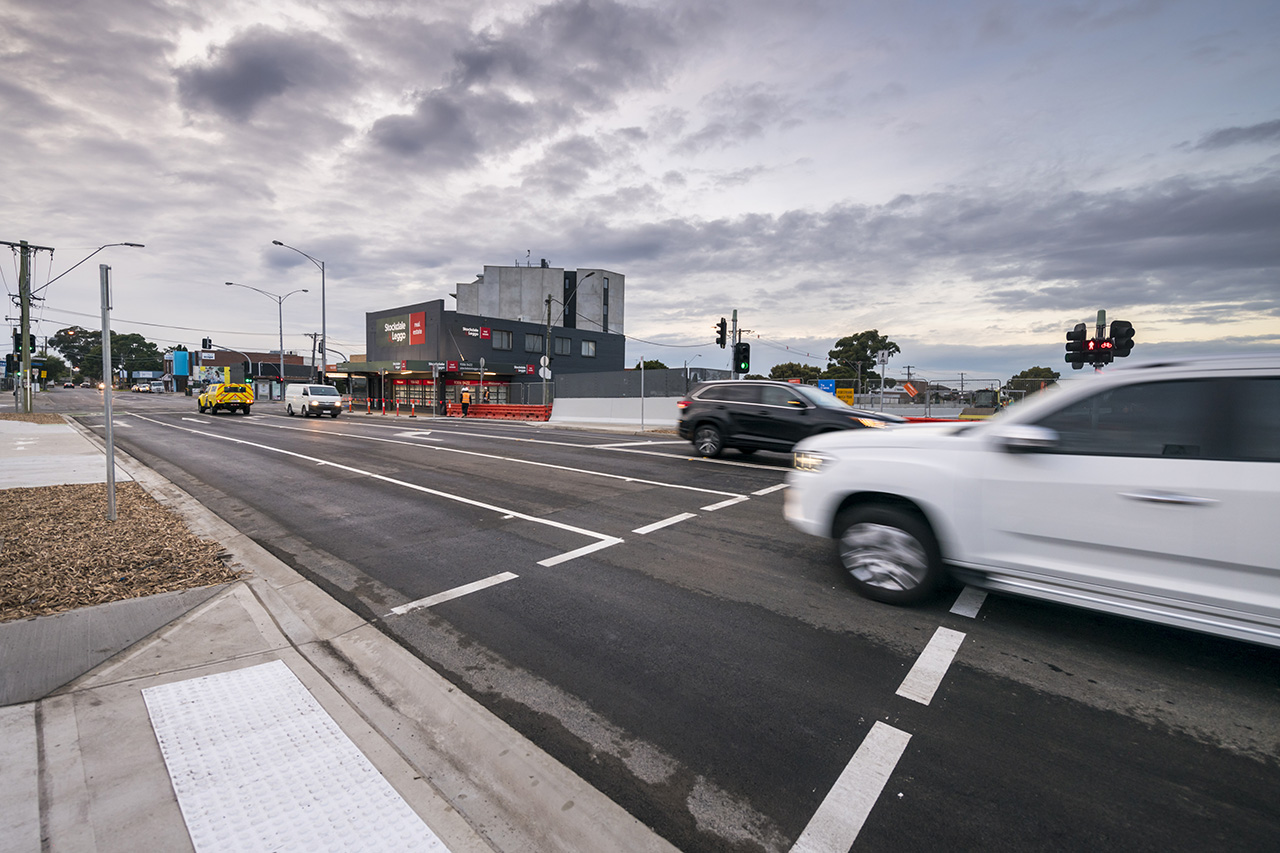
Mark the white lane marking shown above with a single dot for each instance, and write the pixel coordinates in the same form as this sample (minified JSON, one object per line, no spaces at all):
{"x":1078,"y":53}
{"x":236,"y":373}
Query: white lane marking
{"x":969,"y":602}
{"x":498,"y":458}
{"x":770,"y":490}
{"x":604,"y":540}
{"x":420,"y":434}
{"x":196,"y":421}
{"x":666,"y":522}
{"x":632,"y":444}
{"x":451,"y":594}
{"x":835,"y":826}
{"x":713,"y":507}
{"x":930,"y":668}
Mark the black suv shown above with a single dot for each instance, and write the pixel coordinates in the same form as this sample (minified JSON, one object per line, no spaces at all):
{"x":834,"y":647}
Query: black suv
{"x":752,"y":415}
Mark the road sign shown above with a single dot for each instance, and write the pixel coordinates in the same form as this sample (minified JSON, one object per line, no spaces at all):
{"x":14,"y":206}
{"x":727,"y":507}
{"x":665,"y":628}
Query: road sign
{"x":544,"y":361}
{"x":544,"y":372}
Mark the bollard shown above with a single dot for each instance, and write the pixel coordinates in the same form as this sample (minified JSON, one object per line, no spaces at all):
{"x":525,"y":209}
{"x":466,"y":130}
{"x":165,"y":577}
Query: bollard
{"x":368,"y":405}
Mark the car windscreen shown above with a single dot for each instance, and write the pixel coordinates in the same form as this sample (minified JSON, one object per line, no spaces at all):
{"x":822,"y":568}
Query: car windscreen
{"x":820,"y":398}
{"x":235,"y":389}
{"x":324,"y":391}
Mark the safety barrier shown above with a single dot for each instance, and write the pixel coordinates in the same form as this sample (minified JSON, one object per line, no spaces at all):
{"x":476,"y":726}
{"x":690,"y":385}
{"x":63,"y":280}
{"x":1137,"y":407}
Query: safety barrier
{"x":501,"y":412}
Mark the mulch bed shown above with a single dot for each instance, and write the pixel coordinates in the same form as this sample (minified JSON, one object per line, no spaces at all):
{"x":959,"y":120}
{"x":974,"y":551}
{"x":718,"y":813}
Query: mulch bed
{"x":58,"y":551}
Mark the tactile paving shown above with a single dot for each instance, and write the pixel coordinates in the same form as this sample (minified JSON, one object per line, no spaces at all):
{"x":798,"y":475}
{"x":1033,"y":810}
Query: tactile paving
{"x":258,"y":765}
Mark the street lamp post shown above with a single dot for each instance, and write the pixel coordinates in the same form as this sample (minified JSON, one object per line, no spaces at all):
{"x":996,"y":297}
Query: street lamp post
{"x":324,"y":337}
{"x":280,"y":306}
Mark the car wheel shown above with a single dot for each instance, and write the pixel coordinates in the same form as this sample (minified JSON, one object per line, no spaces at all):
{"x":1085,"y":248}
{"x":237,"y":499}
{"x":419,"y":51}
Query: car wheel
{"x":708,"y":441}
{"x":889,"y":553}
{"x":288,"y":409}
{"x":200,"y":408}
{"x":333,"y":414}
{"x":245,"y":409}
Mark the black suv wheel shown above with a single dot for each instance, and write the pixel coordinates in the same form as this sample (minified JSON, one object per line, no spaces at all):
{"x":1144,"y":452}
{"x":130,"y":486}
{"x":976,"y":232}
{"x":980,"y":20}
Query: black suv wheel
{"x":708,"y":441}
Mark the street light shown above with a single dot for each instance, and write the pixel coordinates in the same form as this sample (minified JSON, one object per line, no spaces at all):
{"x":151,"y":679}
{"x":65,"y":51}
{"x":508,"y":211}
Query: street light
{"x":547,"y":352}
{"x":324,"y":337}
{"x":280,"y":306}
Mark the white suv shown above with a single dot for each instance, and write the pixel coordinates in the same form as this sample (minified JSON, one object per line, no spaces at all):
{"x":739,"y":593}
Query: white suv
{"x":1150,"y":491}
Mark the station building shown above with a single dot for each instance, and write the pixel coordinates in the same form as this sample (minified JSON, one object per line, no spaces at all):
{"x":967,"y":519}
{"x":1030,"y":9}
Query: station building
{"x":494,"y":341}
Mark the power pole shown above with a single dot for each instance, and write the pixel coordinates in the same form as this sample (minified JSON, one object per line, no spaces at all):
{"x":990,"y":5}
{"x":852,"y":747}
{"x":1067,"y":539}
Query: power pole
{"x":24,"y":296}
{"x":909,"y":368}
{"x":314,"y":336}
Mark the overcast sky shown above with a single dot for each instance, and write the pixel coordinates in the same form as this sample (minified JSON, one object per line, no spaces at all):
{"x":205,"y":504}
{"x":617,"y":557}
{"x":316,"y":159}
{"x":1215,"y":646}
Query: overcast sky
{"x":969,"y":178}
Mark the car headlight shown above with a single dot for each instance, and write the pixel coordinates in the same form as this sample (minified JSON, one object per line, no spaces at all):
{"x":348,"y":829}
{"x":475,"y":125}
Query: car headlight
{"x":869,"y":422}
{"x":807,"y":460}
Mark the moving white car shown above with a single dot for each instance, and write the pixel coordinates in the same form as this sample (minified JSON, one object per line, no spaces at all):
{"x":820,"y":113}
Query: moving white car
{"x":1150,"y":491}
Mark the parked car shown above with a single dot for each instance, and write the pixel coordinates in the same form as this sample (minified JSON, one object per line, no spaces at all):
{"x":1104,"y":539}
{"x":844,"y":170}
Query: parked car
{"x":230,"y":396}
{"x":315,"y":400}
{"x":753,"y":414}
{"x":1149,"y":491}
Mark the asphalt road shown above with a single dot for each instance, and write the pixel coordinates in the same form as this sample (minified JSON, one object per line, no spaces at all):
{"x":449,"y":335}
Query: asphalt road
{"x":650,"y":619}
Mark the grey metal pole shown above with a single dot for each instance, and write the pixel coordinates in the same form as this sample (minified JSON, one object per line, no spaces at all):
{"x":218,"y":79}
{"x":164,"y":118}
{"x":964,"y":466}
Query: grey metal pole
{"x":642,"y":393}
{"x":280,"y":305}
{"x":324,"y":349}
{"x":104,"y":274}
{"x":24,"y":296}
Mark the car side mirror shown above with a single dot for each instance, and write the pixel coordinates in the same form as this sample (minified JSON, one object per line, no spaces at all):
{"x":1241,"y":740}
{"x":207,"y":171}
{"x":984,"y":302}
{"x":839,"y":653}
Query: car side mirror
{"x":1025,"y":438}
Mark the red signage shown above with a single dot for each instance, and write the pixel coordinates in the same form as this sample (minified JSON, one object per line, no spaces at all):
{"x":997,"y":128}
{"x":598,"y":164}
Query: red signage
{"x":485,"y":334}
{"x":528,"y":368}
{"x":418,"y":328}
{"x":451,"y":366}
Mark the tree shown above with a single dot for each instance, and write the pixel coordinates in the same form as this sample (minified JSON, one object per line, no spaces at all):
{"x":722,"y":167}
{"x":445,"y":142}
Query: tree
{"x":1033,"y":379}
{"x":54,"y":368}
{"x":128,"y":352}
{"x":652,"y":364}
{"x":859,"y":351}
{"x":794,"y":370}
{"x":76,"y":344}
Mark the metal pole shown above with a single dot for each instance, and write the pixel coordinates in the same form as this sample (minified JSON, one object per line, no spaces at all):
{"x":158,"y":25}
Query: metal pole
{"x":104,"y":274}
{"x":324,"y":340}
{"x":280,"y":305}
{"x":642,"y":393}
{"x":24,"y":294}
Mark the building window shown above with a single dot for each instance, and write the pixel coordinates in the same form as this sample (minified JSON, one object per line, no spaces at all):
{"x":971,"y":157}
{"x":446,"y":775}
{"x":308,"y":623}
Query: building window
{"x":588,"y":349}
{"x":501,"y":340}
{"x":564,"y":346}
{"x":532,"y":343}
{"x":606,"y":304}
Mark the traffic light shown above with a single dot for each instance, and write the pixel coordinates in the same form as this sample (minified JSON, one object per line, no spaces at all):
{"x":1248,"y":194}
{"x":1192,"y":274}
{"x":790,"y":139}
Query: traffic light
{"x":206,"y":343}
{"x":1077,"y":355}
{"x":722,"y":333}
{"x":741,"y":357}
{"x":1121,"y":338}
{"x":17,"y":342}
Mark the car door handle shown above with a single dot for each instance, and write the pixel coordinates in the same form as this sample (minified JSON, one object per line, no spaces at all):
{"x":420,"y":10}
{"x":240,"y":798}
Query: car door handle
{"x":1167,"y":498}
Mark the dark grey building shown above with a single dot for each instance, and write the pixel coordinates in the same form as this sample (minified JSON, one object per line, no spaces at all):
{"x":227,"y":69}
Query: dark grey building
{"x":422,"y":353}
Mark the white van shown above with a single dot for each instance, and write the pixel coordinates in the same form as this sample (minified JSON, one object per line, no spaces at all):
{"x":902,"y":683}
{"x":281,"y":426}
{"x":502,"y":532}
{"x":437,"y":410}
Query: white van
{"x":312,"y":400}
{"x":157,"y":387}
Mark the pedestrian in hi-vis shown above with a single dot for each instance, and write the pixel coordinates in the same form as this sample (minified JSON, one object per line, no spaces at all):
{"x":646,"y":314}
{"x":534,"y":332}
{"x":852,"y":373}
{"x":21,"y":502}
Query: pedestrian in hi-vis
{"x":466,"y":401}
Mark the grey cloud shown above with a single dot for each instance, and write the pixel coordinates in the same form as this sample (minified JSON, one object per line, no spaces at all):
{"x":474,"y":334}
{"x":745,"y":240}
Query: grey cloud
{"x":566,"y":165}
{"x":533,"y":75}
{"x":738,"y":113}
{"x":260,"y":64}
{"x":1266,"y":133}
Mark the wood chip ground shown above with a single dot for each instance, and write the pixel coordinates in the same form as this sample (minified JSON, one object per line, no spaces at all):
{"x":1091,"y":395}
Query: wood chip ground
{"x":59,"y":552}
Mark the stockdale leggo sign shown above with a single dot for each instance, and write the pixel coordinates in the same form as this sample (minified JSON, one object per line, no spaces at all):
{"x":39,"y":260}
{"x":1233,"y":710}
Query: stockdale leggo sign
{"x":405,"y":328}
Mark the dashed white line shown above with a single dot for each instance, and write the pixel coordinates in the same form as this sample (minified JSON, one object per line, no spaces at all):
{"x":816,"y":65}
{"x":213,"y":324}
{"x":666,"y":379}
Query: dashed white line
{"x":930,"y":668}
{"x":456,"y":592}
{"x":770,"y":490}
{"x":730,"y":502}
{"x":666,"y":522}
{"x":835,"y":826}
{"x":580,"y":552}
{"x":969,"y":602}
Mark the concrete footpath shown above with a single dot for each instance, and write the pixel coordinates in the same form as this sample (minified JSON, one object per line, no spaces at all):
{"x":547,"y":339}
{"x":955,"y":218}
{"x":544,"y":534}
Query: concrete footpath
{"x":259,"y":715}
